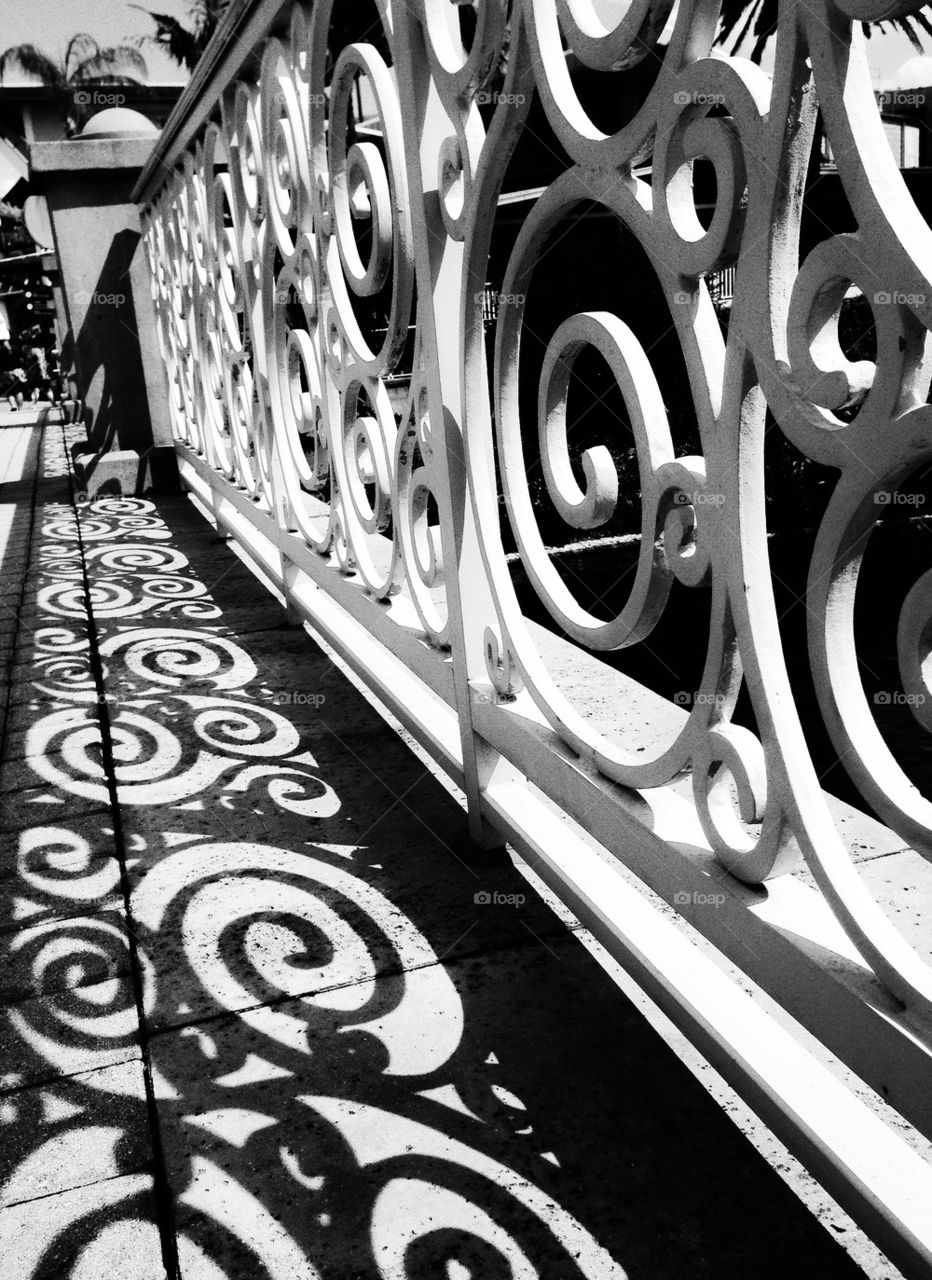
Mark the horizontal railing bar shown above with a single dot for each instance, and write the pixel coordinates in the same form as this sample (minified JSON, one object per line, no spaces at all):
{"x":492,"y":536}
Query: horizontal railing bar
{"x":416,"y":702}
{"x":777,"y":935}
{"x":402,"y":637}
{"x":872,"y":1173}
{"x":316,"y":324}
{"x":848,"y":1010}
{"x":233,"y":44}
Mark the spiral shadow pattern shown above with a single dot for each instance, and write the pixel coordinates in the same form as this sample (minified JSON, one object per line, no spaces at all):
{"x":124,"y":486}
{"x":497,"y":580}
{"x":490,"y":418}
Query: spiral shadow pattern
{"x":268,"y":957}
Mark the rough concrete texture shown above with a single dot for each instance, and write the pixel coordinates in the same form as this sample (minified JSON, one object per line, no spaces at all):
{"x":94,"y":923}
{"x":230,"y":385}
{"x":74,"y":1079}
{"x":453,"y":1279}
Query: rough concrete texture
{"x":121,"y":471}
{"x":312,"y":1048}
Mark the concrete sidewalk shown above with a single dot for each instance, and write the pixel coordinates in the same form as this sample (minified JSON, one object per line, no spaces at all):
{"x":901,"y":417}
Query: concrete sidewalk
{"x":260,"y":1016}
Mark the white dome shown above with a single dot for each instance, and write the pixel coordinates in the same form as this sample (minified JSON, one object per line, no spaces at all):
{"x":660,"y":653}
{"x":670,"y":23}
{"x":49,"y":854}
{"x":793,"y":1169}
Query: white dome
{"x":914,"y":73}
{"x":118,"y":122}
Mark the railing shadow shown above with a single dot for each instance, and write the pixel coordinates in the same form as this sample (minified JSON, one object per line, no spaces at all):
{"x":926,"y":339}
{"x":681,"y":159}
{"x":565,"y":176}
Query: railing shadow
{"x":114,"y":390}
{"x":365,"y":1052}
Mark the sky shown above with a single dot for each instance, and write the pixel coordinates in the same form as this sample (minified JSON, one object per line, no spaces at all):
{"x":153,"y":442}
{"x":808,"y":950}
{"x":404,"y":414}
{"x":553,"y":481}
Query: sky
{"x":884,"y":53}
{"x":50,"y":23}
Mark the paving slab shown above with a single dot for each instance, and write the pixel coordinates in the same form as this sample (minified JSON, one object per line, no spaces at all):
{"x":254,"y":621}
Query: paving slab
{"x":235,"y":917}
{"x":73,"y":1133}
{"x":42,"y":806}
{"x":53,"y":674}
{"x":54,"y":635}
{"x":63,"y":750}
{"x":49,"y":850}
{"x":372,"y":1051}
{"x":68,"y":1033}
{"x":27,"y":732}
{"x":54,"y":872}
{"x":101,"y":883}
{"x":57,"y":955}
{"x":97,"y":1232}
{"x":443,"y":1107}
{"x":9,"y":619}
{"x":167,"y":661}
{"x":902,"y":884}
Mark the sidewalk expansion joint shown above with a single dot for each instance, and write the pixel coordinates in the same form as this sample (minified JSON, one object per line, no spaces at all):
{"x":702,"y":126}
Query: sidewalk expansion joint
{"x":164,"y":1205}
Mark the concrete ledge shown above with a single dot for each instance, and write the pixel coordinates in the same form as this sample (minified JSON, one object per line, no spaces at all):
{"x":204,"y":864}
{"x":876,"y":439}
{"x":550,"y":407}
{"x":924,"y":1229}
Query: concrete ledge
{"x":91,"y":153}
{"x":122,"y":471}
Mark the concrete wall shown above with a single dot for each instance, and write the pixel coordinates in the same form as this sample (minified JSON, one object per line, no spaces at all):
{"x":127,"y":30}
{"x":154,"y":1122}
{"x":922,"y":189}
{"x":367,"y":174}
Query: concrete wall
{"x":111,"y":349}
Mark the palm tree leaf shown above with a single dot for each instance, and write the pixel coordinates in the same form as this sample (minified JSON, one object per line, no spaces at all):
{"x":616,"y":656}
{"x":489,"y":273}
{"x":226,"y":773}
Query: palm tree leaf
{"x":183,"y":44}
{"x":908,"y":26}
{"x":180,"y":44}
{"x":123,"y":62}
{"x":80,"y":48}
{"x":31,"y":62}
{"x":738,"y":17}
{"x":740,"y":37}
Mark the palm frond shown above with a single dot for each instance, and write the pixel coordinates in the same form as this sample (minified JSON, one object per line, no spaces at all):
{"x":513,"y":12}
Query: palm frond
{"x":739,"y":18}
{"x":752,"y":11}
{"x":908,"y":25}
{"x":185,"y":45}
{"x":122,"y":62}
{"x":80,"y":47}
{"x":181,"y":45}
{"x":31,"y":62}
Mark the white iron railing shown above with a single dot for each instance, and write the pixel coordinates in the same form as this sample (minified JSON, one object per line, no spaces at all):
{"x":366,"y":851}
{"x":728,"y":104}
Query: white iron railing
{"x":320,"y":218}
